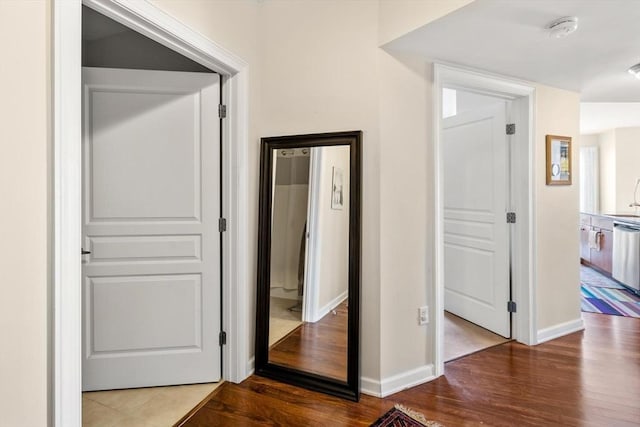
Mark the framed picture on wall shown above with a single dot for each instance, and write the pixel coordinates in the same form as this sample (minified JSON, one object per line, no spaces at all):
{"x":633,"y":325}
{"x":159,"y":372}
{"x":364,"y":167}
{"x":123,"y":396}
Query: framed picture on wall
{"x":337,"y":195}
{"x":558,"y":160}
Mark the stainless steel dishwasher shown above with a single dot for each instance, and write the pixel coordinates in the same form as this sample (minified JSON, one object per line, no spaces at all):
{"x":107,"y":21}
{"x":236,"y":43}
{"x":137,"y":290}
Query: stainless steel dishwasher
{"x":626,"y":254}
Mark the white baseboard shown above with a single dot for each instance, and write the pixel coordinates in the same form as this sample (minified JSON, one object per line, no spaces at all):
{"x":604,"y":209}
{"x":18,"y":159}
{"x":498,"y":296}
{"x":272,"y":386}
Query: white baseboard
{"x":324,"y":310}
{"x":251,"y":366}
{"x":560,"y":330}
{"x":396,"y":383}
{"x":370,"y":387}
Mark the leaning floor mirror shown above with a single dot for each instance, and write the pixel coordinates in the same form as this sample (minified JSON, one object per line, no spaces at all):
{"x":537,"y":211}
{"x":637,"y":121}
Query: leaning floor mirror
{"x":308,"y":296}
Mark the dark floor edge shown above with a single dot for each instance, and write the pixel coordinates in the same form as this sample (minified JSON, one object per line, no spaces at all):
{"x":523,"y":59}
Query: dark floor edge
{"x":199,"y":406}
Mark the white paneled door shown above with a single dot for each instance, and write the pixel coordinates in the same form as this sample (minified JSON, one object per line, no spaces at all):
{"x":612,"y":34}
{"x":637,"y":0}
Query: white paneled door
{"x":151,"y":202}
{"x":476,"y":235}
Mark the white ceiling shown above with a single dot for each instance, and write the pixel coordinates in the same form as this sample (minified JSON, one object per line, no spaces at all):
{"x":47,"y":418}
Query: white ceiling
{"x":596,"y":117}
{"x":509,"y":37}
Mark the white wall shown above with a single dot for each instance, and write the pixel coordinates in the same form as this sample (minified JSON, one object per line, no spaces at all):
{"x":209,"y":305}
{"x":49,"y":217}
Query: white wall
{"x":398,"y":17}
{"x":627,"y":167}
{"x":332,"y":230}
{"x":589,"y":140}
{"x":556,"y":213}
{"x":607,"y":142}
{"x":24,"y":186}
{"x":406,"y":235}
{"x":619,"y":167}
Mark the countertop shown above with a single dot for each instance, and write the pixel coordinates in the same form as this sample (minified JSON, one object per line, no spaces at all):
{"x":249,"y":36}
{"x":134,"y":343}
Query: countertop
{"x":624,"y":218}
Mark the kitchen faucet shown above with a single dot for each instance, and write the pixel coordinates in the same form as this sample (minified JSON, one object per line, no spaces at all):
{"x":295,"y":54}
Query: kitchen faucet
{"x":635,"y":203}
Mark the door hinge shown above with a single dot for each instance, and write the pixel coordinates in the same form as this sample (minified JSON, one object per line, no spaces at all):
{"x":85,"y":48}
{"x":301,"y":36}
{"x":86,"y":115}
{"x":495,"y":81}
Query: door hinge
{"x":222,"y":338}
{"x":511,"y":306}
{"x":222,"y":225}
{"x":222,"y":111}
{"x":511,"y":217}
{"x":511,"y":129}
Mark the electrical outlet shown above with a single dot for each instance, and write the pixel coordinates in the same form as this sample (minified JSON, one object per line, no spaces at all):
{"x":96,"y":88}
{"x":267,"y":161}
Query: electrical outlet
{"x":423,"y":315}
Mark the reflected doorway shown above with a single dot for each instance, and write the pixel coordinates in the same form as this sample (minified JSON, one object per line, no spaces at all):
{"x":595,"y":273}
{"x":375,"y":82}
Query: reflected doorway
{"x":289,"y":225}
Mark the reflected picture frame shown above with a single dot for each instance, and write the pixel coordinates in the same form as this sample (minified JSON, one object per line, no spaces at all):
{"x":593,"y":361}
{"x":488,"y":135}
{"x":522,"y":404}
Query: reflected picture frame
{"x":558,"y":160}
{"x":336,"y":189}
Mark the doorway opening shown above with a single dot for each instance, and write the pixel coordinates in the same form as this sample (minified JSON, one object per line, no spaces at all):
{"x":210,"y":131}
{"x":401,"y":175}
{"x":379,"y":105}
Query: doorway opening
{"x":151,"y":267}
{"x":483,"y":217}
{"x":609,"y":221}
{"x":291,"y":178}
{"x":476,"y":168}
{"x":148,"y":20}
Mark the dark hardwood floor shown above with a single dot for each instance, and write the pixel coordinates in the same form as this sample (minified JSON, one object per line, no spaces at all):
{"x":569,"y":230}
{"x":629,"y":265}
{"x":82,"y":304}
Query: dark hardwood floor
{"x":319,"y":348}
{"x":589,"y":378}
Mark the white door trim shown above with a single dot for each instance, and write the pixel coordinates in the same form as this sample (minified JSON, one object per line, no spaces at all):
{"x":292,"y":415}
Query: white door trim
{"x":311,"y":286}
{"x":65,"y":391}
{"x":524,"y":321}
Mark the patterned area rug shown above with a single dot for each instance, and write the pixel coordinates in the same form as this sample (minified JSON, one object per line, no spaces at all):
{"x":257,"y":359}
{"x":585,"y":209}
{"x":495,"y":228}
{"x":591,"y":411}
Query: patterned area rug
{"x":401,"y":416}
{"x":590,"y":277}
{"x":602,"y":295}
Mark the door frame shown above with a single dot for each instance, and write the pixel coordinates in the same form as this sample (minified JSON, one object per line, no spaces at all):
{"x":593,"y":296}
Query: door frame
{"x":65,"y":390}
{"x":522,"y":96}
{"x":311,"y":285}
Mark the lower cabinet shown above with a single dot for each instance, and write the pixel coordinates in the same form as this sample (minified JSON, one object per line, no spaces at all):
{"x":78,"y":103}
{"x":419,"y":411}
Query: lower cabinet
{"x":585,"y":252}
{"x":601,"y":259}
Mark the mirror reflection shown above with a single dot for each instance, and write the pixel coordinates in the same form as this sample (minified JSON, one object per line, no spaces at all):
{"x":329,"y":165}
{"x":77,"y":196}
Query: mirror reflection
{"x":309,"y":266}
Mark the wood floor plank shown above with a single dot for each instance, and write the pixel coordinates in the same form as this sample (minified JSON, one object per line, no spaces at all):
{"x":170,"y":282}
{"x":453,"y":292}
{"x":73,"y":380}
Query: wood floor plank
{"x":319,"y":348}
{"x":589,"y":378}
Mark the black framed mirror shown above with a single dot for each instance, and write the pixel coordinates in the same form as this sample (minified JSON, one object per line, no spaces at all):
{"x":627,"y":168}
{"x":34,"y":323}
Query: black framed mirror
{"x":308,"y":296}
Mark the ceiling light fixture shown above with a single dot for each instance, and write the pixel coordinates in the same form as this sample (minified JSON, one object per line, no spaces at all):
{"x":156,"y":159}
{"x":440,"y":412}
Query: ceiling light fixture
{"x":562,"y":27}
{"x":635,"y":70}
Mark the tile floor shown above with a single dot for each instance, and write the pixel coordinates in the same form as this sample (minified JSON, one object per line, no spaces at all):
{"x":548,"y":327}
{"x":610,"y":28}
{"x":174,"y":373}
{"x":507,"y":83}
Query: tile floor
{"x":281,"y":320}
{"x":142,"y":407}
{"x":462,"y":337}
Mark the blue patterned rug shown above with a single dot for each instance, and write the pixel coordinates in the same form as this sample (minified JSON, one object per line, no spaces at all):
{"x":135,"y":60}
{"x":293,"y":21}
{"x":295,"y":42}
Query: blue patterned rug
{"x":603,"y":295}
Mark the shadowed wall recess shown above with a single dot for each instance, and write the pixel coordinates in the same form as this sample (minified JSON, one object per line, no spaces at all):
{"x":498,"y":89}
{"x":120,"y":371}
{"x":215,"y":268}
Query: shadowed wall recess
{"x":107,"y":43}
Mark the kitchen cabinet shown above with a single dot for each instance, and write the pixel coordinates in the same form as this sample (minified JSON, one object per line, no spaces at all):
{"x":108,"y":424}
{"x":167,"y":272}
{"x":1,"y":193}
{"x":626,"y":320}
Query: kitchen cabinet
{"x":600,"y":259}
{"x":585,"y":227}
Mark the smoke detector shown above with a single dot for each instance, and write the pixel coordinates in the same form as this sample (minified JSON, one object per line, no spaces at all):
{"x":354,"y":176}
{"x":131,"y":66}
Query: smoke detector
{"x":562,"y":27}
{"x":635,"y":71}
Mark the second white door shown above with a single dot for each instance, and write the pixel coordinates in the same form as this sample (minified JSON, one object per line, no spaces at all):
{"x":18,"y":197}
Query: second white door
{"x":476,"y":235}
{"x":151,"y":189}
